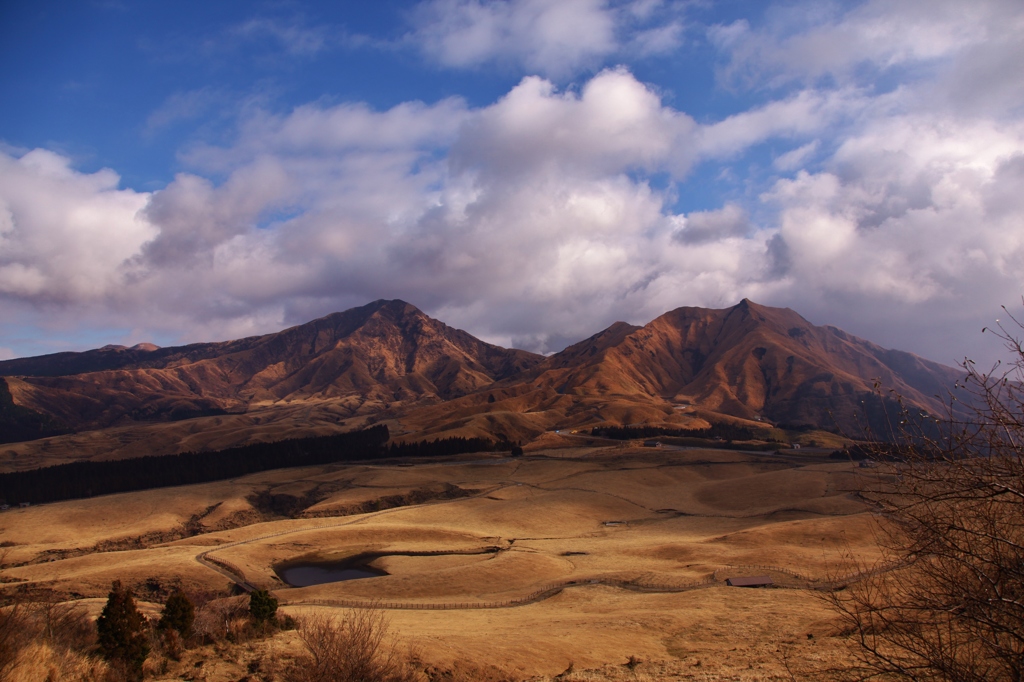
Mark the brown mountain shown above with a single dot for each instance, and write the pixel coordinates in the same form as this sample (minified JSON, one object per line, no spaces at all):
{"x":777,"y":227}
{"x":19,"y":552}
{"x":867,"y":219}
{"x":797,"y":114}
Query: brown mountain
{"x":749,"y":361}
{"x":376,"y":355}
{"x":388,"y":360}
{"x":691,"y":365}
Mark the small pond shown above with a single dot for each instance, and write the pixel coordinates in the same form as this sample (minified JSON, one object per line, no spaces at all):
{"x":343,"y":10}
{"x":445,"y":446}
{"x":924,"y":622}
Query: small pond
{"x":306,"y":572}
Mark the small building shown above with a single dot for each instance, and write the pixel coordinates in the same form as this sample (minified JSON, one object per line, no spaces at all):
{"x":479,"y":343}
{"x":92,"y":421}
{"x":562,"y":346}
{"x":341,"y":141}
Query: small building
{"x":24,"y":504}
{"x":795,"y":446}
{"x":750,"y":581}
{"x":652,"y":444}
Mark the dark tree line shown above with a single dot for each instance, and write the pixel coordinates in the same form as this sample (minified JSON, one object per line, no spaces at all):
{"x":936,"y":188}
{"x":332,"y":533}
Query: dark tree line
{"x":87,"y":479}
{"x":723,"y":431}
{"x":445,"y":446}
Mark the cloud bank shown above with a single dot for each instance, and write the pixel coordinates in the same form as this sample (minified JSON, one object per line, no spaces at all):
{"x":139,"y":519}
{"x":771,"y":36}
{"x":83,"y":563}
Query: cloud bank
{"x":538,"y":219}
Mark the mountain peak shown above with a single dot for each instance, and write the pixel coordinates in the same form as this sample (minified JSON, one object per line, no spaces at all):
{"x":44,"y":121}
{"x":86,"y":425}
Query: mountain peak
{"x":381,"y":353}
{"x":745,"y":361}
{"x":392,"y":305}
{"x":750,"y":307}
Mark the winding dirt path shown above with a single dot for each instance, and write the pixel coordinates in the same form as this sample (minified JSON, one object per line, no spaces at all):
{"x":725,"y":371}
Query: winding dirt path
{"x":236,"y":575}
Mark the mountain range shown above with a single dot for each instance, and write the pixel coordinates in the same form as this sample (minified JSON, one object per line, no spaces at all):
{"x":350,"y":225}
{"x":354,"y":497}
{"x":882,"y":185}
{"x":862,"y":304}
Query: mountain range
{"x":388,"y":360}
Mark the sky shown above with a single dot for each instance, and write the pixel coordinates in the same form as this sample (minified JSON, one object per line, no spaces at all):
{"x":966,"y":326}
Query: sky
{"x":527,"y":170}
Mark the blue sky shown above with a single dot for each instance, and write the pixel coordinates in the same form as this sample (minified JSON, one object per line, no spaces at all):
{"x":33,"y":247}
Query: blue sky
{"x":527,"y":170}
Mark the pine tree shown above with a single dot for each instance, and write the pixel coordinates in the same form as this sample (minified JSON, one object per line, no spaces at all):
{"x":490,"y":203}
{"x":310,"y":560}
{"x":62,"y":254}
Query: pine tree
{"x":179,"y":614}
{"x":262,"y":606}
{"x":122,"y":631}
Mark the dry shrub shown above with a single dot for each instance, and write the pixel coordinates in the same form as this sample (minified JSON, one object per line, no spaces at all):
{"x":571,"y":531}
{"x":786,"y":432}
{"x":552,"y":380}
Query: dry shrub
{"x":358,"y":648}
{"x":66,"y":626}
{"x":171,"y":644}
{"x":40,"y":662}
{"x":239,"y":629}
{"x":952,"y":495}
{"x":213,"y":621}
{"x":14,"y":636}
{"x":47,"y":641}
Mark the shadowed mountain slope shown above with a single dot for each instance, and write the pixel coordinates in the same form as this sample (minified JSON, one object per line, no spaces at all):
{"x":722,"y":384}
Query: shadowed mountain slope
{"x":383,"y":352}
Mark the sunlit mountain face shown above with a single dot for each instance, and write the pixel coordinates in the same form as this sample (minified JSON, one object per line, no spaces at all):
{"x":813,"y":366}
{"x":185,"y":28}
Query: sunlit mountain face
{"x":388,"y":361}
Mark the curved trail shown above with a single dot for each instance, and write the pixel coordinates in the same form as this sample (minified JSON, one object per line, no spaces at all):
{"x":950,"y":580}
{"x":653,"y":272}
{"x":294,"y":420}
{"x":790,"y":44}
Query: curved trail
{"x":236,"y":575}
{"x":556,"y":588}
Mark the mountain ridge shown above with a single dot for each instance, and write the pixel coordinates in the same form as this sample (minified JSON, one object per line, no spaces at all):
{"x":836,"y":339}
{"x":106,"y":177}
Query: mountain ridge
{"x":692,"y":365}
{"x":385,"y":351}
{"x":387,"y":359}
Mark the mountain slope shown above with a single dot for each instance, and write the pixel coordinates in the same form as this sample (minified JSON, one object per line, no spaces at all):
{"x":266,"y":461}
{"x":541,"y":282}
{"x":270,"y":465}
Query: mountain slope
{"x":388,"y":360}
{"x":691,"y":365}
{"x":752,"y":360}
{"x":384,"y":352}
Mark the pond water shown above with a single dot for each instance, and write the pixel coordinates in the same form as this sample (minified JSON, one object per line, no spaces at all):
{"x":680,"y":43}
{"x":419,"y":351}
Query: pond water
{"x":304,"y":575}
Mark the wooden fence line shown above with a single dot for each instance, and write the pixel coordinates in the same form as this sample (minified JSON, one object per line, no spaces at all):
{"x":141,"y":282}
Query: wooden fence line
{"x":555,"y":588}
{"x":536,"y":596}
{"x":831,"y":583}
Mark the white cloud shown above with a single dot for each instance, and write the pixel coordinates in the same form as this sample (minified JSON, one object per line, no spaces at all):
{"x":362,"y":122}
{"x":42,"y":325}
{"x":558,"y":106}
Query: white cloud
{"x":614,"y":123}
{"x":796,"y":158}
{"x":547,"y":37}
{"x":806,"y":42}
{"x":914,"y":211}
{"x":808,"y":112}
{"x":534,"y":219}
{"x":64,"y":235}
{"x":182,"y":106}
{"x":708,"y":226}
{"x":554,"y":39}
{"x":531,"y":200}
{"x":659,"y":40}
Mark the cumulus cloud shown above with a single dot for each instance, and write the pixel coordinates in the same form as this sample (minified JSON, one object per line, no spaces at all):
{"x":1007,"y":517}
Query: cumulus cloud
{"x":615,"y":123}
{"x":555,"y":210}
{"x":708,"y":226}
{"x":807,"y":42}
{"x":65,"y":236}
{"x":547,"y":37}
{"x":909,"y":214}
{"x":539,"y":201}
{"x":553,"y":39}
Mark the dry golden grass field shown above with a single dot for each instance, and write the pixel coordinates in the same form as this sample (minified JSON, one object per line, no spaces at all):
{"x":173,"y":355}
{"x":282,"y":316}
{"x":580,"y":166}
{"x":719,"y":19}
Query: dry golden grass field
{"x":616,"y":533}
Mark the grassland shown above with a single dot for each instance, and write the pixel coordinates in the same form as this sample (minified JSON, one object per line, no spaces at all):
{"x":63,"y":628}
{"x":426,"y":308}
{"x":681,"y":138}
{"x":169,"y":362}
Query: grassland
{"x":598,"y":518}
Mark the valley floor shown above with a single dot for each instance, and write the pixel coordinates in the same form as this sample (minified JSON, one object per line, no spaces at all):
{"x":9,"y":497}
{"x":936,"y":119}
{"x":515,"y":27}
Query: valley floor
{"x":596,"y":544}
